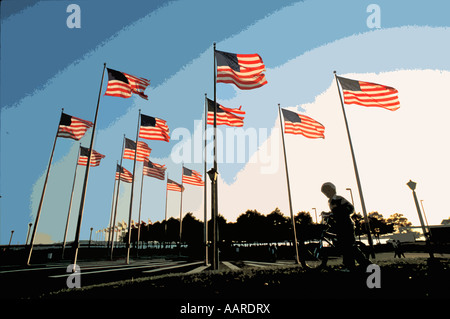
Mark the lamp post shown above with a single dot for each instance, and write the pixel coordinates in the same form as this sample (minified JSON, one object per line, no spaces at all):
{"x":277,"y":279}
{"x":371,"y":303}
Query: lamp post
{"x":90,"y":237}
{"x":10,"y":238}
{"x":412,"y":186}
{"x":28,"y":233}
{"x":351,"y":195}
{"x":424,"y":215}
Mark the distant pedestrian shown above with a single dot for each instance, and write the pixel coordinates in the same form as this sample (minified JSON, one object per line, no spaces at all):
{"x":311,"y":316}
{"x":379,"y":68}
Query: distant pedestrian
{"x":398,"y":249}
{"x":273,"y":252}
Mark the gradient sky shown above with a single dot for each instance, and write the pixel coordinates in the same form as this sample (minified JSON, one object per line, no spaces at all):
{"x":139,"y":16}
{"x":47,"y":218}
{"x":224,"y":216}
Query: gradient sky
{"x":46,"y":66}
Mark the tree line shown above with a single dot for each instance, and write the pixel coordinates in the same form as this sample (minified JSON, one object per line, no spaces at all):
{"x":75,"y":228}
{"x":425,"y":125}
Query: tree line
{"x":255,"y":227}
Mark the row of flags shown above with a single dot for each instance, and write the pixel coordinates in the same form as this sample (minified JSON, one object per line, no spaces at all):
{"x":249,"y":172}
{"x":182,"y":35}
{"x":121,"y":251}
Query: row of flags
{"x":245,"y":71}
{"x":157,"y":171}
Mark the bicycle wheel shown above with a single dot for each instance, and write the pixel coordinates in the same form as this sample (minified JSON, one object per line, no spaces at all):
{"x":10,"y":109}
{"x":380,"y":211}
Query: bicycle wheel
{"x":312,"y":256}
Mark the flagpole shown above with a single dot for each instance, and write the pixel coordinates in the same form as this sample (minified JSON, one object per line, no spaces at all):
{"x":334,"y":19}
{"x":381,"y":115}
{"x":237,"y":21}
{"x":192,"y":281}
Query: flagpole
{"x":366,"y":219}
{"x":297,"y":260}
{"x":38,"y":215}
{"x":205,"y":217}
{"x":112,"y":208}
{"x":132,"y":189}
{"x":117,"y":198}
{"x":214,"y":203}
{"x":140,"y":205}
{"x":70,"y":203}
{"x":181,"y":203}
{"x":86,"y":176}
{"x":165,"y":211}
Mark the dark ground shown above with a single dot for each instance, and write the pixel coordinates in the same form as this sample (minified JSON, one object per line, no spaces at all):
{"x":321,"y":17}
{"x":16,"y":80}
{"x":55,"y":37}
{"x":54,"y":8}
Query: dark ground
{"x":412,"y":278}
{"x":408,"y":284}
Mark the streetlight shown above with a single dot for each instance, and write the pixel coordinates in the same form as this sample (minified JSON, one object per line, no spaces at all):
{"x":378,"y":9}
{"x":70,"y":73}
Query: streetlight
{"x":412,"y":186}
{"x":28,"y":233}
{"x":90,"y":237}
{"x":10,"y":238}
{"x":424,"y":215}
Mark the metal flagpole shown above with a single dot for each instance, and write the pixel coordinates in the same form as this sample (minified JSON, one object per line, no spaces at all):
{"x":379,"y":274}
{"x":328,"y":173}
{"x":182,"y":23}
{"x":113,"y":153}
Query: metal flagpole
{"x":86,"y":176}
{"x":366,"y":219}
{"x":132,"y":188}
{"x":297,"y":260}
{"x":214,"y":203}
{"x":70,"y":203}
{"x":165,"y":211}
{"x":112,"y":208}
{"x":117,"y":199}
{"x":140,"y":205}
{"x":181,"y":203}
{"x":205,"y":217}
{"x":38,"y":215}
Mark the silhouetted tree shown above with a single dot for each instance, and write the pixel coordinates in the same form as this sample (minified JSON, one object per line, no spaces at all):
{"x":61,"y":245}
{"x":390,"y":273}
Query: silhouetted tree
{"x":250,"y":226}
{"x":398,"y":220}
{"x":192,"y":230}
{"x":173,"y":230}
{"x":277,"y":226}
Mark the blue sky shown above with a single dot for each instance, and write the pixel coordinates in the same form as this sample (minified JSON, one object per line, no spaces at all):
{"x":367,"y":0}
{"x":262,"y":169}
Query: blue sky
{"x":170,"y":43}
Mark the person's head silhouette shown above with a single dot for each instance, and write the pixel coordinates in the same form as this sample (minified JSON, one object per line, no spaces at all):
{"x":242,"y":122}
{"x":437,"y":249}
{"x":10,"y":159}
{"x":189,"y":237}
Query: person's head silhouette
{"x":328,"y":189}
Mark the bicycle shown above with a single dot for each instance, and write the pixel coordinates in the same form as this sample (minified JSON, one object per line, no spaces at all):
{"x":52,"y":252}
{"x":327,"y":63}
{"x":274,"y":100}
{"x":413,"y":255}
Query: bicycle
{"x":314,"y":253}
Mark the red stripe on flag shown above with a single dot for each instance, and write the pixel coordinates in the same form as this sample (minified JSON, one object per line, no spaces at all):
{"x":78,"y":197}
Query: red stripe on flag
{"x":250,"y":75}
{"x":158,"y":132}
{"x":373,"y":95}
{"x":143,"y":152}
{"x":95,"y":159}
{"x":195,"y":179}
{"x":75,"y":130}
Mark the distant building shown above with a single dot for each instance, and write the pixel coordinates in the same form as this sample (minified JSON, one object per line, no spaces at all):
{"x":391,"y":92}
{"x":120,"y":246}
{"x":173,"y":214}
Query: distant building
{"x":445,"y":221}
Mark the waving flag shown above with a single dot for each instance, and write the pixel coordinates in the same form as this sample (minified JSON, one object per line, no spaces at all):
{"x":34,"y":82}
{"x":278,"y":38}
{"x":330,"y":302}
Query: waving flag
{"x":192,"y":177}
{"x":369,"y":94}
{"x":95,"y":157}
{"x":295,"y":123}
{"x":225,"y":116}
{"x":143,"y":151}
{"x":243,"y":70}
{"x":125,"y":175}
{"x":154,"y":170}
{"x":153,"y":128}
{"x":73,"y":127}
{"x":174,"y":186}
{"x":121,"y":84}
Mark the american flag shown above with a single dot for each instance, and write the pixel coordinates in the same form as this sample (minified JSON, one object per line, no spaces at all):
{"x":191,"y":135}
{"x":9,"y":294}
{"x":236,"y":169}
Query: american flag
{"x":95,"y":157}
{"x":123,"y":85}
{"x":243,"y":70}
{"x":153,"y":128}
{"x":295,"y":123}
{"x":125,"y":175}
{"x":174,"y":186}
{"x":143,"y":151}
{"x":192,"y":177}
{"x":154,"y":170}
{"x":369,"y":94}
{"x":225,"y":116}
{"x":72,"y":127}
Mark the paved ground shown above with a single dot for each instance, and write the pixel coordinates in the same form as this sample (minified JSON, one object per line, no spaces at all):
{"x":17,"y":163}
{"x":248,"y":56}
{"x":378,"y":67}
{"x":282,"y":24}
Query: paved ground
{"x":33,"y":281}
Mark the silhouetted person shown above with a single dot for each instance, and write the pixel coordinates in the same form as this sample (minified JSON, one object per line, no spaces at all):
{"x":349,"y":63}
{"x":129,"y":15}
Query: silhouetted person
{"x":398,"y":249}
{"x":341,"y":211}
